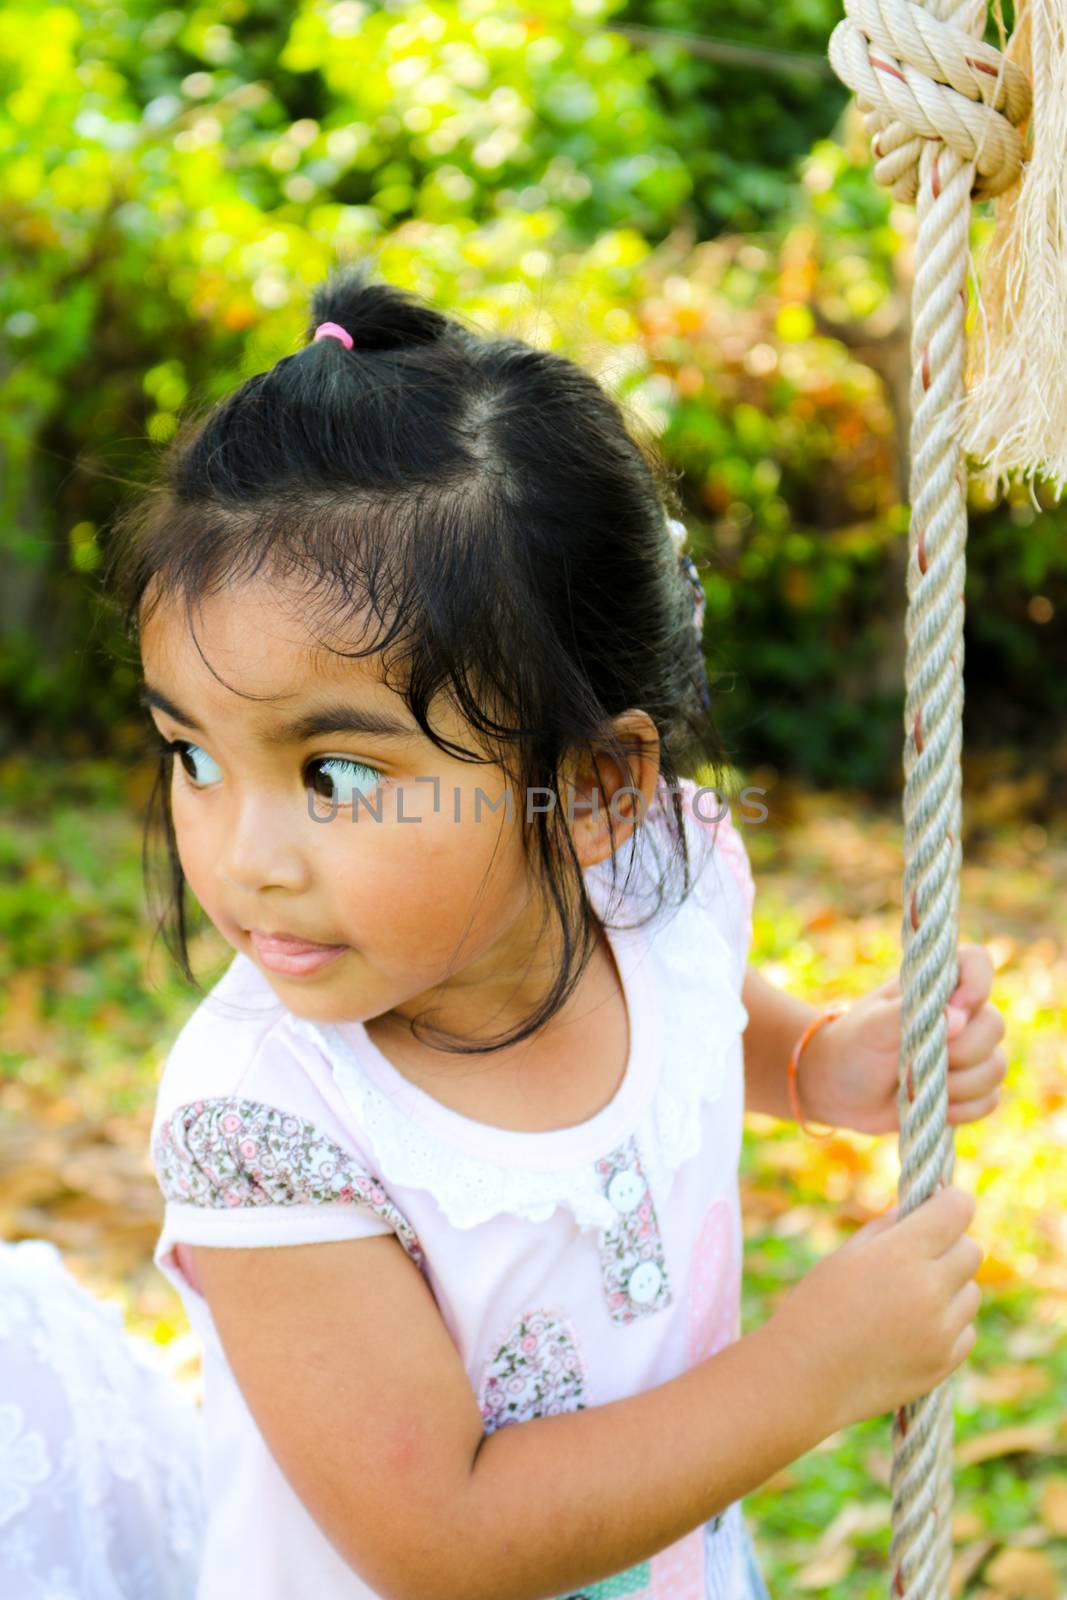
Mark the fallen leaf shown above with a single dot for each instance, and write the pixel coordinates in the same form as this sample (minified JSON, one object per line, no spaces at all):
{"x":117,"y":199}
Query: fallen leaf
{"x":831,"y":1569}
{"x":1029,"y":1538}
{"x":828,"y":917}
{"x":879,"y":1467}
{"x":1023,"y":1437}
{"x":966,"y":1563}
{"x":967,"y":1525}
{"x":1053,"y":1510}
{"x":1008,"y":1384}
{"x":832,"y":1557}
{"x":22,"y":1011}
{"x":995,"y":1271}
{"x":1023,"y":1575}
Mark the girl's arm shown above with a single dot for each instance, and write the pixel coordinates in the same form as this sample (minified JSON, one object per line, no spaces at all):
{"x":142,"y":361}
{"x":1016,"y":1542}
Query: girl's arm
{"x":357,"y":1387}
{"x":775,"y":1022}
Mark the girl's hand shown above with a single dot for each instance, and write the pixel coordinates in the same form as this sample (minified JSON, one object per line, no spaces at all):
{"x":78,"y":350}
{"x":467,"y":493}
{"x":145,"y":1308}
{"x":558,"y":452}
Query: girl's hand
{"x":847,"y":1076}
{"x":890,"y":1314}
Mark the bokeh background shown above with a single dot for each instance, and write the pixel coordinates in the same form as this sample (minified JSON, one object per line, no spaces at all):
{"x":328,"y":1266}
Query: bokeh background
{"x":677,"y":194}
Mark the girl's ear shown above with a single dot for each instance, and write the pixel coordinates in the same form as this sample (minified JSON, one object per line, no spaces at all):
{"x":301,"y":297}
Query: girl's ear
{"x":594,"y":783}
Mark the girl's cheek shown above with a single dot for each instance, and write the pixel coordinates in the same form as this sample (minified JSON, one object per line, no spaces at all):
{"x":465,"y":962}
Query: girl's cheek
{"x":195,"y":847}
{"x":183,"y":814}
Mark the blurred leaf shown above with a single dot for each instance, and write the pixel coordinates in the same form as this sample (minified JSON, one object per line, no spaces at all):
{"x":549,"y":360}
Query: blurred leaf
{"x":1018,"y":1440}
{"x":1024,"y":1575}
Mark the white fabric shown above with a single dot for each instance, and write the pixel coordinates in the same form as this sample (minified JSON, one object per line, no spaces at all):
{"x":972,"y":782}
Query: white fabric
{"x":473,"y":1186}
{"x":100,"y":1473}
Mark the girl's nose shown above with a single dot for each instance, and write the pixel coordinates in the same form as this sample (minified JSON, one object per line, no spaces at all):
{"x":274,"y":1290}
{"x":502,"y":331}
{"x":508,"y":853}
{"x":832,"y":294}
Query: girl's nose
{"x":260,"y":852}
{"x":240,"y":872}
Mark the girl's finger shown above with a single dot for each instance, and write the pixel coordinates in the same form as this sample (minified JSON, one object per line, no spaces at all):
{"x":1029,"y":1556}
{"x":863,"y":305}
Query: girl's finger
{"x":961,"y":1261}
{"x":976,"y":977}
{"x":969,"y":1083}
{"x":974,"y":1110}
{"x":979,"y":1038}
{"x":957,"y":1020}
{"x":963,"y":1309}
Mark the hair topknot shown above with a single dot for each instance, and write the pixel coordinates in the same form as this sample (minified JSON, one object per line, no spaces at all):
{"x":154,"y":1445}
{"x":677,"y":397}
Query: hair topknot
{"x":377,"y":315}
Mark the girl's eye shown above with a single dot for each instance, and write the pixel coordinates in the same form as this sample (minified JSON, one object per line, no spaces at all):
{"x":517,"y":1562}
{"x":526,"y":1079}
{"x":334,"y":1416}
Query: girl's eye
{"x":335,"y":778}
{"x":332,"y":778}
{"x":197,"y":765}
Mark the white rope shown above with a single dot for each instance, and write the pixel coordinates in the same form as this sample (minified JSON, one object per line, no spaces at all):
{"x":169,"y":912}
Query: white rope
{"x":920,"y":78}
{"x":941,"y":108}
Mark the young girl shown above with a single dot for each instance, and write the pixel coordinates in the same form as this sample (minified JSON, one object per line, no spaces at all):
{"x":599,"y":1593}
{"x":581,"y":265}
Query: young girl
{"x":423,"y":652}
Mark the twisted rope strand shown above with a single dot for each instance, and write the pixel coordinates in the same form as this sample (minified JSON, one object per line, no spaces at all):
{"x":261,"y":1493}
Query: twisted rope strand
{"x":933,"y":704}
{"x":942,"y":110}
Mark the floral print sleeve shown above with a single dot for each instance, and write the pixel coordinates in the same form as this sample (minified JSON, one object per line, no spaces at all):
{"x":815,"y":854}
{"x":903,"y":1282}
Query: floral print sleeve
{"x":229,"y":1152}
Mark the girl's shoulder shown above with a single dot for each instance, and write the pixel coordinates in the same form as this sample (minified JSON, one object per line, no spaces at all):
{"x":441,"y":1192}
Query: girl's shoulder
{"x":242,"y":1067}
{"x":250,"y":1142}
{"x":237,"y":1022}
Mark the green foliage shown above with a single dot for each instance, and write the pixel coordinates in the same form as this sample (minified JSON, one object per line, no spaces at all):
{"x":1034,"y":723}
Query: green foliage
{"x":174,"y":182}
{"x":785,"y":366}
{"x":744,"y":127}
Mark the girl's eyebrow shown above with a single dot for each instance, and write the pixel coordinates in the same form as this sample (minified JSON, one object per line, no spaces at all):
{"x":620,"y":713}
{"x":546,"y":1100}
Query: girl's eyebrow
{"x":323,"y":719}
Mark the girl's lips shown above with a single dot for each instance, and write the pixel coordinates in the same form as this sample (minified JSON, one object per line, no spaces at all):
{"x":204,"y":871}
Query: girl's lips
{"x":294,"y":958}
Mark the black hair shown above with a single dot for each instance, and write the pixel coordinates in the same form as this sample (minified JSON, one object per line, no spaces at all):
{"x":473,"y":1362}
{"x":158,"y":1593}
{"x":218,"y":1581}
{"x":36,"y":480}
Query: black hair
{"x":484,"y":501}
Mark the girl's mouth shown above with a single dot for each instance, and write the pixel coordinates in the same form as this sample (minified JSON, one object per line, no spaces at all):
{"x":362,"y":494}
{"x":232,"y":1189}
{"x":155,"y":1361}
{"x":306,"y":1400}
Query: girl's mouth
{"x":293,"y":958}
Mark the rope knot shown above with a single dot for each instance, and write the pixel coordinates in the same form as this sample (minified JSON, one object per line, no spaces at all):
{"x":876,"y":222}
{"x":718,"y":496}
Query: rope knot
{"x":918,"y":77}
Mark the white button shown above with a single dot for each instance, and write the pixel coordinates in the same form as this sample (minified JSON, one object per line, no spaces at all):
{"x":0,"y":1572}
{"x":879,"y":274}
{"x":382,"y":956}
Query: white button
{"x":644,"y":1282}
{"x":625,"y":1190}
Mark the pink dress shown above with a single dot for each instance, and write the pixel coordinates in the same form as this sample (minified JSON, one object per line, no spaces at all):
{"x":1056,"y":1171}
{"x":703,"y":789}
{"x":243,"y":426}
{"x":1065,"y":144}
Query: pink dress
{"x":608,"y":1253}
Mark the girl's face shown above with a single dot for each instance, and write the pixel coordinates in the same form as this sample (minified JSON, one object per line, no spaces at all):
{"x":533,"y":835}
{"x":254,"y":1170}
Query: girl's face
{"x":433,"y":907}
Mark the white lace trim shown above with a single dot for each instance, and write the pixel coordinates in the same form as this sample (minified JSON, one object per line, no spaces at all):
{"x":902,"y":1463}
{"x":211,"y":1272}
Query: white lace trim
{"x":472,"y":1189}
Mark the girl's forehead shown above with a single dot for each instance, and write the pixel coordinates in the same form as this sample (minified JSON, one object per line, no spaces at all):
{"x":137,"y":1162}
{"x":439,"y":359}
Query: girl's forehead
{"x":260,"y":637}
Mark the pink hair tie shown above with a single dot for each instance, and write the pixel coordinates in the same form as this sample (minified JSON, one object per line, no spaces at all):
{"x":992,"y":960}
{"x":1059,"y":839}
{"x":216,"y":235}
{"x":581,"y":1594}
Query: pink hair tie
{"x":332,"y":330}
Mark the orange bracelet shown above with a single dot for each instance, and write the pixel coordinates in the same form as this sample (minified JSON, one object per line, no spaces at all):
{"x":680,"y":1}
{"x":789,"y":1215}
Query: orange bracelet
{"x":794,"y":1062}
